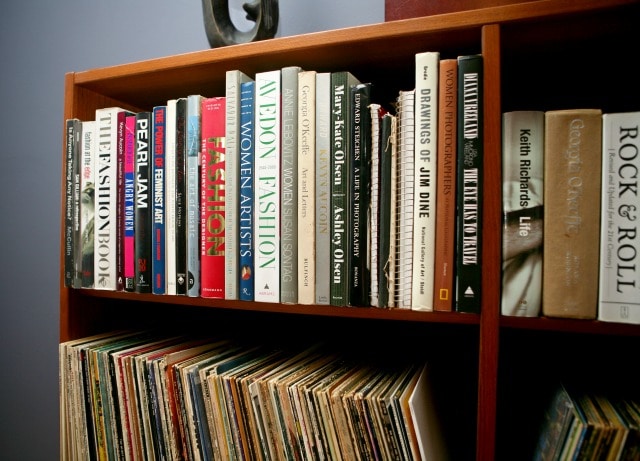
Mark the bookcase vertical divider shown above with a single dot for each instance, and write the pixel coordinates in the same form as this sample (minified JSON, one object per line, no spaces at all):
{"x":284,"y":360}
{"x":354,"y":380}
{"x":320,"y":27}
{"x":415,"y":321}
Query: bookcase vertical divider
{"x":491,"y":249}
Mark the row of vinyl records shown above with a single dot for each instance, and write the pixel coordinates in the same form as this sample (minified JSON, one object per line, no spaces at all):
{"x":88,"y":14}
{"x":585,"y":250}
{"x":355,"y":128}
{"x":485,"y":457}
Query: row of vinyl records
{"x":143,"y":395}
{"x":295,"y":186}
{"x":571,"y":203}
{"x":589,"y":424}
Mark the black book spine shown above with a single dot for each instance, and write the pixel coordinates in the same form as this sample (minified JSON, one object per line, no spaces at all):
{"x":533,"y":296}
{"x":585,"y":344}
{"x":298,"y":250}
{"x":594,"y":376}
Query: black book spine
{"x":359,"y":278}
{"x":142,"y":207}
{"x":386,"y":133}
{"x":470,"y":169}
{"x":181,"y":199}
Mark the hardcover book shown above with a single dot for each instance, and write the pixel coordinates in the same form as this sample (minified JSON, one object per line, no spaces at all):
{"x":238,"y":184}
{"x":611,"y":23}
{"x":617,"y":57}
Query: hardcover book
{"x":322,"y":199}
{"x":158,"y":236}
{"x":405,"y":204}
{"x":267,"y":186}
{"x":340,"y":134}
{"x":306,"y":239}
{"x":169,"y":199}
{"x":72,"y":158}
{"x":427,"y":79}
{"x":129,"y":203}
{"x":359,"y":279}
{"x":289,"y":185}
{"x":193,"y":141}
{"x":87,"y":207}
{"x":234,"y":79}
{"x":105,"y":236}
{"x":444,"y":263}
{"x":181,"y":196}
{"x":571,"y":223}
{"x":143,"y":212}
{"x":246,"y":213}
{"x":212,"y":199}
{"x":469,"y":179}
{"x":522,"y":201}
{"x":619,"y":290}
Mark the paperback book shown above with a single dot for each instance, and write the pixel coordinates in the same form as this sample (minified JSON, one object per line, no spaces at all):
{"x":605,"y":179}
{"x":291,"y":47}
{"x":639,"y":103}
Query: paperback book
{"x":87,"y":206}
{"x":143,"y":211}
{"x":158,"y":237}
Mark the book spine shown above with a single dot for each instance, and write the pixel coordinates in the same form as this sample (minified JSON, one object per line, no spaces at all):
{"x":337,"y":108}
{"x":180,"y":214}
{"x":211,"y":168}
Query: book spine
{"x":289,"y":186}
{"x":386,"y":258}
{"x":306,"y":238}
{"x":121,"y":134}
{"x":246,"y":212}
{"x":70,"y":159}
{"x":404,"y":205}
{"x":522,"y":201}
{"x":143,"y":220}
{"x":339,"y":185}
{"x":158,"y":237}
{"x":469,"y":180}
{"x":374,"y":233}
{"x":87,"y":207}
{"x":212,"y":199}
{"x":444,"y":262}
{"x":106,"y":196}
{"x":619,"y":291}
{"x":322,"y":199}
{"x":572,"y":179}
{"x":169,"y":201}
{"x":267,"y":186}
{"x":193,"y":141}
{"x":129,"y":204}
{"x":181,"y":196}
{"x":427,"y":79}
{"x":234,"y":80}
{"x":358,"y":281}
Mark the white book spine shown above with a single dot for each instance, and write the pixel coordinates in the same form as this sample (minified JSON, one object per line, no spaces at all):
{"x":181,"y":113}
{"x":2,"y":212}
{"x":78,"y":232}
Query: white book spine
{"x":170,"y":194}
{"x":234,"y":79}
{"x":306,"y":187}
{"x":267,"y":186}
{"x":426,"y":142}
{"x":106,"y":199}
{"x":619,"y":290}
{"x":323,"y":150}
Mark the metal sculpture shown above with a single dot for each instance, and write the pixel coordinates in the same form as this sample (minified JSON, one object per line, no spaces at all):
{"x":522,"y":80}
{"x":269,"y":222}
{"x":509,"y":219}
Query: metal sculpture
{"x":222,"y":32}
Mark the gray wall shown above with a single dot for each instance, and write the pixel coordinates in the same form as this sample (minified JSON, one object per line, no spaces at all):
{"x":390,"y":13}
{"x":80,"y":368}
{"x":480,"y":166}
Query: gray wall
{"x":40,"y":40}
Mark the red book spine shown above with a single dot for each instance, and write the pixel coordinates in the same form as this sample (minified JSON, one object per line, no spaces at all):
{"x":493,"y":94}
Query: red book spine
{"x":212,"y":199}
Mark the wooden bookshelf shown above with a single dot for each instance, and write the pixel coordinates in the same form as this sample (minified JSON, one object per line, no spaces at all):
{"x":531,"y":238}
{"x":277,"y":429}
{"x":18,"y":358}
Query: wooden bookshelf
{"x":545,"y":54}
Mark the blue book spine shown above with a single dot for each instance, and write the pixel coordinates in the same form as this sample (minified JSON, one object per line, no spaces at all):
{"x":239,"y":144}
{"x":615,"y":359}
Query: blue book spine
{"x":158,"y":237}
{"x":246,"y":191}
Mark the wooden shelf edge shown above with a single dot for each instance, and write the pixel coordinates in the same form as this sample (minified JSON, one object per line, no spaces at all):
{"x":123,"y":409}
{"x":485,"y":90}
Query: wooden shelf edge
{"x":298,"y":309}
{"x":570,"y":325}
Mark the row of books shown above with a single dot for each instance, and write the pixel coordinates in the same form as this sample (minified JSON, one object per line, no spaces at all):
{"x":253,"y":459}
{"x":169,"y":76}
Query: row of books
{"x":589,"y":425}
{"x":570,"y":221}
{"x":142,"y":395}
{"x":295,"y":186}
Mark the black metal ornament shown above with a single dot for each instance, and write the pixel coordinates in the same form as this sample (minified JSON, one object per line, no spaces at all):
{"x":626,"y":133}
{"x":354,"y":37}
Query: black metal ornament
{"x":222,"y":32}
